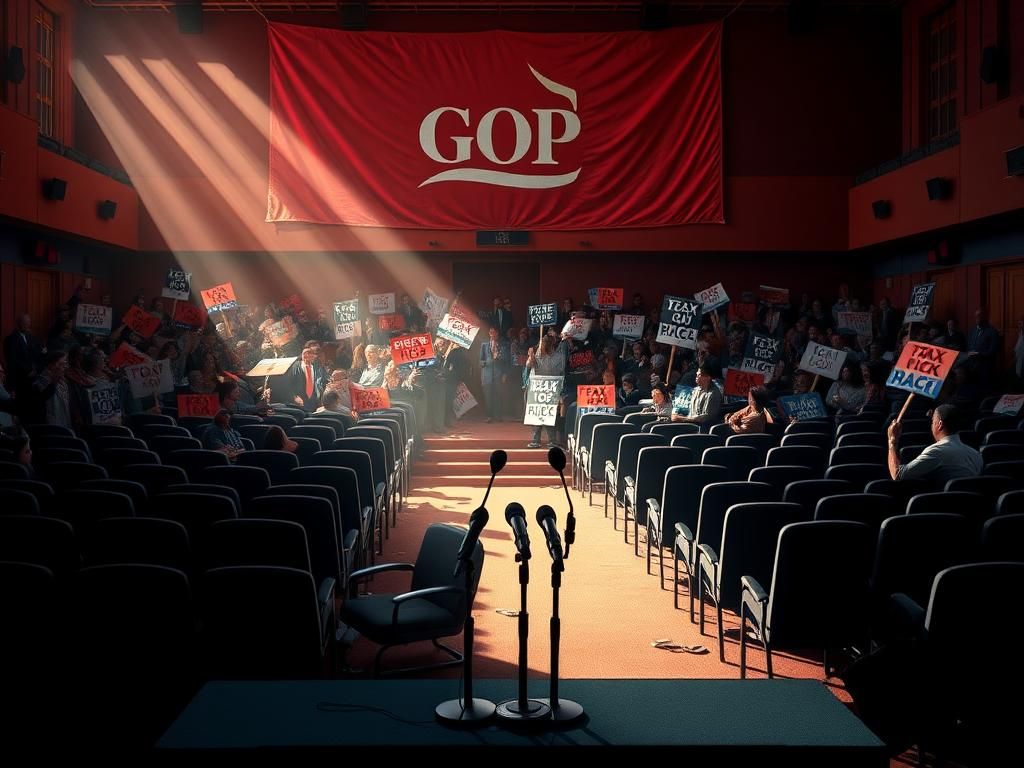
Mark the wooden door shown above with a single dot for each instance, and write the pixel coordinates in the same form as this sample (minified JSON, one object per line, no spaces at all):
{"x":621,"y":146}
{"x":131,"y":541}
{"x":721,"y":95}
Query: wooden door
{"x":944,"y":299}
{"x":41,"y":303}
{"x":1004,"y":300}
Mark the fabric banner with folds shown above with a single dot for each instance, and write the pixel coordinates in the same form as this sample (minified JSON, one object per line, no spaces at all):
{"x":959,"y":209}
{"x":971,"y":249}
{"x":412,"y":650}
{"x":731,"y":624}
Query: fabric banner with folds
{"x":496,"y":130}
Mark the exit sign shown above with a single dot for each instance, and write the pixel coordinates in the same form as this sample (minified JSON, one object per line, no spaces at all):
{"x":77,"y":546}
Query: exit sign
{"x":501,"y":237}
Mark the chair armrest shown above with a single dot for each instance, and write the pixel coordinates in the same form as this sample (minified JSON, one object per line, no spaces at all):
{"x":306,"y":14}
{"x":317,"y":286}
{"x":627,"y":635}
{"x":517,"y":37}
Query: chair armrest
{"x":373,"y":570}
{"x":326,"y":592}
{"x":381,"y":489}
{"x":584,"y":456}
{"x":682,"y":529}
{"x":350,"y":540}
{"x":609,"y":470}
{"x":707,"y":551}
{"x":629,"y":482}
{"x":907,"y":616}
{"x":751,"y":585}
{"x":399,"y":600}
{"x":654,"y":513}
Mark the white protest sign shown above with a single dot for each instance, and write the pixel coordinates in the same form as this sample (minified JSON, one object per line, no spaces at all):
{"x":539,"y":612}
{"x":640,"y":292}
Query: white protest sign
{"x":628,"y":326}
{"x":459,"y":327}
{"x":858,"y":323}
{"x":680,"y":322}
{"x":464,"y":401}
{"x":94,"y":318}
{"x":1009,"y":405}
{"x":820,"y":360}
{"x":578,"y":327}
{"x":272,"y":366}
{"x":542,"y":400}
{"x":105,"y":404}
{"x":712,"y":298}
{"x":433,"y":306}
{"x":148,"y":379}
{"x":382,"y":303}
{"x":346,"y":319}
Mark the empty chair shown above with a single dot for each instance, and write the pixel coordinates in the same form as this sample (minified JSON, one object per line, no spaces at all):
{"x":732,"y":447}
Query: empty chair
{"x":669,"y":430}
{"x":211,"y":488}
{"x":819,"y":591}
{"x":138,"y":419}
{"x":646,"y":484}
{"x":195,"y":461}
{"x":60,"y":441}
{"x":780,"y":476}
{"x":819,"y":440}
{"x":990,"y":454}
{"x":969,"y":505}
{"x":739,"y":460}
{"x":106,"y":443}
{"x":196,"y":425}
{"x":991,"y":487}
{"x":377,"y":442}
{"x":12,"y":471}
{"x":148,"y":540}
{"x":43,"y":492}
{"x":851,"y":439}
{"x":277,"y":463}
{"x":371,"y":490}
{"x":149,"y":431}
{"x":797,"y":456}
{"x":323,"y":434}
{"x":857,"y":425}
{"x":910,"y":452}
{"x":583,"y":437}
{"x":604,"y":447}
{"x":71,"y":474}
{"x":872,"y":509}
{"x":857,"y":474}
{"x":723,"y":431}
{"x":325,"y":421}
{"x":82,"y":508}
{"x":248,"y":481}
{"x":1010,"y":503}
{"x":1007,"y":469}
{"x":762,"y":442}
{"x":1002,"y":538}
{"x":329,"y":557}
{"x":822,"y":427}
{"x":305,"y":449}
{"x":624,"y":466}
{"x":28,"y":599}
{"x":15,"y":502}
{"x":116,"y":458}
{"x":806,"y":493}
{"x":697,"y":442}
{"x":94,"y":431}
{"x":639,"y":419}
{"x":39,"y":430}
{"x":44,"y":541}
{"x":1004,"y":437}
{"x":43,"y":457}
{"x":857,"y":454}
{"x":901,"y":490}
{"x":988,"y":424}
{"x":255,"y":432}
{"x":165,"y":444}
{"x":345,"y":483}
{"x":196,"y":511}
{"x":243,"y":419}
{"x":283,"y":420}
{"x":155,"y":477}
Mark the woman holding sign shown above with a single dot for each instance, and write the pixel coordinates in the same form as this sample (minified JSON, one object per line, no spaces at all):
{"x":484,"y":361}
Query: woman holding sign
{"x":549,"y":362}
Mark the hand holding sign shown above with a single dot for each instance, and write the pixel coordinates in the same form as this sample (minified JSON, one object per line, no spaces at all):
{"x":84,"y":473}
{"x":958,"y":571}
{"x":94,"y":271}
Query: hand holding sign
{"x":141,"y":322}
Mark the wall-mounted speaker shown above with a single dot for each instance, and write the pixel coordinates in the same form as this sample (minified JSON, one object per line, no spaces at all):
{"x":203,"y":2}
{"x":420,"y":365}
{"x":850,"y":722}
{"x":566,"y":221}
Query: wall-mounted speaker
{"x":14,"y":66}
{"x":106,"y":209}
{"x":882,"y":209}
{"x":55,"y":189}
{"x":993,"y":64}
{"x":1015,"y":161}
{"x":939,"y":188}
{"x":190,"y":17}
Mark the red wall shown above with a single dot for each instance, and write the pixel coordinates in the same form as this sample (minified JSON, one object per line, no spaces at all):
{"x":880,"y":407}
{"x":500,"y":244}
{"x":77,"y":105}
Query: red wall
{"x":14,"y":295}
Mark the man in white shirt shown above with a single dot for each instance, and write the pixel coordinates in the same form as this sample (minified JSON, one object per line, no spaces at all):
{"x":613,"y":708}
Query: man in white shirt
{"x":945,"y":459}
{"x":705,"y":403}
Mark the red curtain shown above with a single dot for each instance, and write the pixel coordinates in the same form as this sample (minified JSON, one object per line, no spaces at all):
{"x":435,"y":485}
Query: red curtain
{"x":496,"y":130}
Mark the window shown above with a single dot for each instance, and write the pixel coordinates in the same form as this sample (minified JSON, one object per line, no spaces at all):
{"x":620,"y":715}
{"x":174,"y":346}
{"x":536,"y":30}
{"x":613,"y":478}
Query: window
{"x":942,"y":74}
{"x":45,"y":53}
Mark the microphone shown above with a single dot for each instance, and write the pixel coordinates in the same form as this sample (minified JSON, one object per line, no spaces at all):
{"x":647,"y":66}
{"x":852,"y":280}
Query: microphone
{"x":498,"y":460}
{"x":548,"y":523}
{"x":556,"y":458}
{"x":515,"y":516}
{"x":477,"y":522}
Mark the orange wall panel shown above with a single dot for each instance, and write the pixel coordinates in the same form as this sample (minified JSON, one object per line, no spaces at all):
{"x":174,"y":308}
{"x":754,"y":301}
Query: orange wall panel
{"x":19,"y":193}
{"x":984,"y":139}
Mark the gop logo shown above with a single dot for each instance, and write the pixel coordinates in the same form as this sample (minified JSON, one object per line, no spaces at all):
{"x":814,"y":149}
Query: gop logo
{"x":543,"y":127}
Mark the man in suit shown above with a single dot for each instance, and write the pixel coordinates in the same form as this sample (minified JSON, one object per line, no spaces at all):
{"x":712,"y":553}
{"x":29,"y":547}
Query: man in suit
{"x":982,"y":346}
{"x":23,"y":354}
{"x":889,"y":323}
{"x":494,"y":364}
{"x":307,"y":379}
{"x":501,"y":318}
{"x":414,"y":317}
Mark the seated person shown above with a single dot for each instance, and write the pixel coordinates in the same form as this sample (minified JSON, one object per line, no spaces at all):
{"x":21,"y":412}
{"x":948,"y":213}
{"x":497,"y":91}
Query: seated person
{"x":628,"y":393}
{"x":945,"y":459}
{"x":662,"y":403}
{"x":753,"y":419}
{"x":277,"y":440}
{"x":705,"y":403}
{"x":220,"y":436}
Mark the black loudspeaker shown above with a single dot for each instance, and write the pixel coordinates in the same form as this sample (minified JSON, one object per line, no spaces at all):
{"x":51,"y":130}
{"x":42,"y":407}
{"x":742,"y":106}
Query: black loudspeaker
{"x":1015,"y":161}
{"x":655,"y":16}
{"x":938,"y":188}
{"x":190,"y":17}
{"x":14,"y":67}
{"x":55,"y":189}
{"x":106,"y":209}
{"x":882,"y":209}
{"x":993,"y":64}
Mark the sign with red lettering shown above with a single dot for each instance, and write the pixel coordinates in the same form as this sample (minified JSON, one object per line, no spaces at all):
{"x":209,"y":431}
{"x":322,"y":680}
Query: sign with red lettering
{"x":126,"y":354}
{"x":198,"y":405}
{"x":368,"y":398}
{"x":922,"y":368}
{"x":464,"y":401}
{"x":141,"y":322}
{"x":409,"y":349}
{"x":220,"y":297}
{"x":149,"y":379}
{"x":628,"y":326}
{"x":189,"y":315}
{"x":595,"y":395}
{"x":739,"y":383}
{"x":712,"y":298}
{"x":459,"y":325}
{"x":609,"y":298}
{"x":581,"y":361}
{"x":1009,"y":405}
{"x":382,"y":303}
{"x":391,"y":322}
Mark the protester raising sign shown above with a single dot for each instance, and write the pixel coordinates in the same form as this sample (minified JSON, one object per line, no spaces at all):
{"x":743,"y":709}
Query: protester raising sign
{"x":105,"y":404}
{"x":94,"y":318}
{"x":460,"y":326}
{"x":920,"y":303}
{"x":368,"y":398}
{"x":739,"y":383}
{"x":803,"y":407}
{"x":189,"y":315}
{"x":141,"y":322}
{"x":346,"y":319}
{"x":126,"y":354}
{"x":219,"y":298}
{"x":1009,"y":405}
{"x":595,"y":397}
{"x":391,"y":322}
{"x":148,"y":379}
{"x":464,"y":401}
{"x":283,"y":331}
{"x":433,"y":306}
{"x":409,"y":349}
{"x":541,"y":314}
{"x":680,"y":321}
{"x":681,"y":401}
{"x":762,"y":354}
{"x":628,"y":326}
{"x":820,"y":360}
{"x":921,"y":369}
{"x":542,"y":400}
{"x":177,"y":285}
{"x":198,"y":405}
{"x":578,"y":327}
{"x":712,"y":298}
{"x":609,"y":298}
{"x":382,"y":303}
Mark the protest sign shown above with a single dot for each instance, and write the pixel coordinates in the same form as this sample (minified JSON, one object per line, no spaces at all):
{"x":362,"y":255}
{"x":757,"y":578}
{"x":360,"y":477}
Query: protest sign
{"x":592,"y":296}
{"x":742,"y":311}
{"x":920,"y":303}
{"x":712,"y":298}
{"x":921,"y":369}
{"x":1009,"y":405}
{"x":272,"y":366}
{"x":188,"y":315}
{"x":94,"y":318}
{"x":459,"y":326}
{"x":382,"y":303}
{"x":409,"y":349}
{"x":391,"y":322}
{"x":680,"y":321}
{"x":773,"y":297}
{"x":126,"y":354}
{"x":433,"y":306}
{"x":609,"y":298}
{"x":177,"y":285}
{"x":219,"y":298}
{"x":147,"y":379}
{"x":198,"y":405}
{"x":541,"y":314}
{"x":141,"y":322}
{"x":291,"y":304}
{"x":542,"y":400}
{"x":578,"y":327}
{"x":820,"y":360}
{"x":464,"y":401}
{"x":628,"y":326}
{"x":681,"y":401}
{"x":283,"y":331}
{"x":595,"y":396}
{"x":581,"y":360}
{"x":346,"y":319}
{"x":856,"y":323}
{"x":368,"y":398}
{"x":739,"y":383}
{"x":105,"y":404}
{"x":803,"y":407}
{"x":762,"y":354}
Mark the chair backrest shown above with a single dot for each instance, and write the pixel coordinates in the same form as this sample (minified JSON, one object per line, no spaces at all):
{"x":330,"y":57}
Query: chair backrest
{"x":987,"y":424}
{"x":196,"y":511}
{"x":822,"y":427}
{"x":43,"y":457}
{"x":28,"y":594}
{"x":681,"y":494}
{"x":669,"y":430}
{"x":739,"y":459}
{"x":587,"y":423}
{"x":43,"y":492}
{"x":1002,"y":538}
{"x":250,"y":541}
{"x":991,"y":454}
{"x":698,"y":442}
{"x":106,"y":443}
{"x":59,"y":441}
{"x":344,"y":481}
{"x":819,"y":440}
{"x":798,"y":456}
{"x":305,"y":448}
{"x":857,"y":454}
{"x":382,"y":436}
{"x":255,"y":432}
{"x":991,"y":487}
{"x":859,"y":425}
{"x":94,"y":431}
{"x":819,"y":585}
{"x":164,"y":444}
{"x":900,"y":490}
{"x":283,"y":420}
{"x":9,"y":470}
{"x":138,"y":419}
{"x":653,"y":462}
{"x":762,"y":442}
{"x":780,"y":476}
{"x":715,"y":500}
{"x":852,"y":439}
{"x":196,"y":460}
{"x":913,"y":548}
{"x":629,"y":453}
{"x":1003,"y":437}
{"x":910,"y":452}
{"x":324,"y":435}
{"x":605,"y":446}
{"x":146,"y":540}
{"x":149,"y":431}
{"x":277,"y":463}
{"x":38,"y":430}
{"x":723,"y":431}
{"x":82,"y":508}
{"x":393,"y":421}
{"x":639,"y":419}
{"x":871,"y":509}
{"x":318,"y":518}
{"x":807,"y":492}
{"x":1010,"y":503}
{"x":15,"y":502}
{"x":44,"y":541}
{"x":116,"y":458}
{"x":361,"y":463}
{"x":857,"y":474}
{"x":248,"y":481}
{"x":433,"y":568}
{"x":155,"y":477}
{"x":969,"y":505}
{"x":319,"y":421}
{"x":1006,"y":468}
{"x":71,"y":474}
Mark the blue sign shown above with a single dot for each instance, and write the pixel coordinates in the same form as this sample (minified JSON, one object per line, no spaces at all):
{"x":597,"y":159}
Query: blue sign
{"x":803,"y":407}
{"x":918,"y":383}
{"x":541,"y":314}
{"x":681,"y":402}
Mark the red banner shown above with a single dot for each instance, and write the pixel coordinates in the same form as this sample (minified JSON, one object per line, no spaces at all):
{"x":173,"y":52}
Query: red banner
{"x":592,"y":395}
{"x":189,"y":315}
{"x":124,"y":355}
{"x":496,"y":129}
{"x":409,"y":349}
{"x":368,"y":398}
{"x":739,"y":383}
{"x":141,"y":322}
{"x":198,"y":405}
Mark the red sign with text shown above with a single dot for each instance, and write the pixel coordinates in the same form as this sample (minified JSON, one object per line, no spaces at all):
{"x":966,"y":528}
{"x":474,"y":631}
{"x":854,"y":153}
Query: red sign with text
{"x":409,"y":349}
{"x":189,"y":315}
{"x":198,"y":405}
{"x":591,"y":395}
{"x":141,"y":322}
{"x":391,"y":322}
{"x":368,"y":398}
{"x":124,"y":355}
{"x":219,"y":295}
{"x":739,"y":383}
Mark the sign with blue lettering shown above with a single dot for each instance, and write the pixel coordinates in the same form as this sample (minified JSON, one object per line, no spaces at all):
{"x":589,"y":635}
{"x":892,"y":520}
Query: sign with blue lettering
{"x":922,"y":368}
{"x":803,"y":407}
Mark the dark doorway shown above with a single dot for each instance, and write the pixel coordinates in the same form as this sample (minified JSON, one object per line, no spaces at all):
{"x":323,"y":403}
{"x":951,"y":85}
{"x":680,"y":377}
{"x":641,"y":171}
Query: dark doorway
{"x":481,"y":281}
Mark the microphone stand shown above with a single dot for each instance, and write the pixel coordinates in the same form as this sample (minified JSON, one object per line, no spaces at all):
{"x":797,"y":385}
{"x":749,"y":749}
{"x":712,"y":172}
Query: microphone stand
{"x":523,"y":709}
